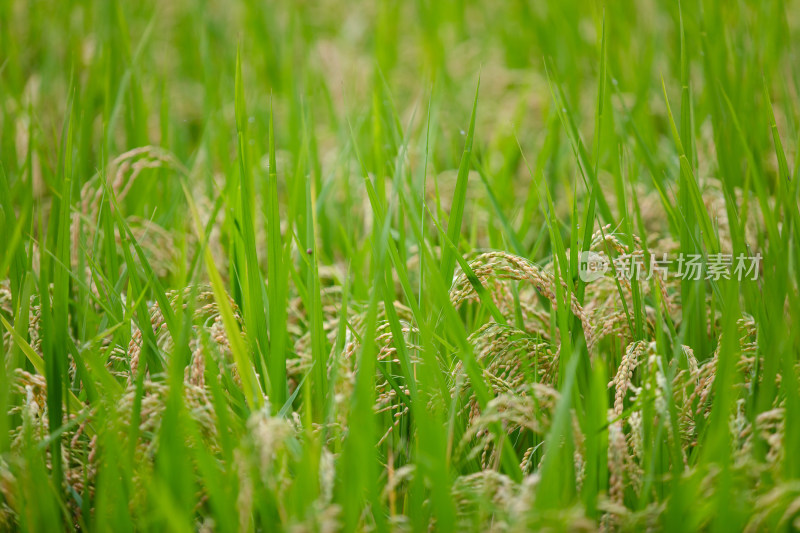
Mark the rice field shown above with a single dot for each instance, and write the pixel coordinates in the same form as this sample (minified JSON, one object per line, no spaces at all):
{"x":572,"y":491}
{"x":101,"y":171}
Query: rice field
{"x":399,"y":266}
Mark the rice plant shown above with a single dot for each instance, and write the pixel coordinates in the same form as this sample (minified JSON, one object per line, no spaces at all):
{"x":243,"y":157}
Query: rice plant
{"x":399,"y":266}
